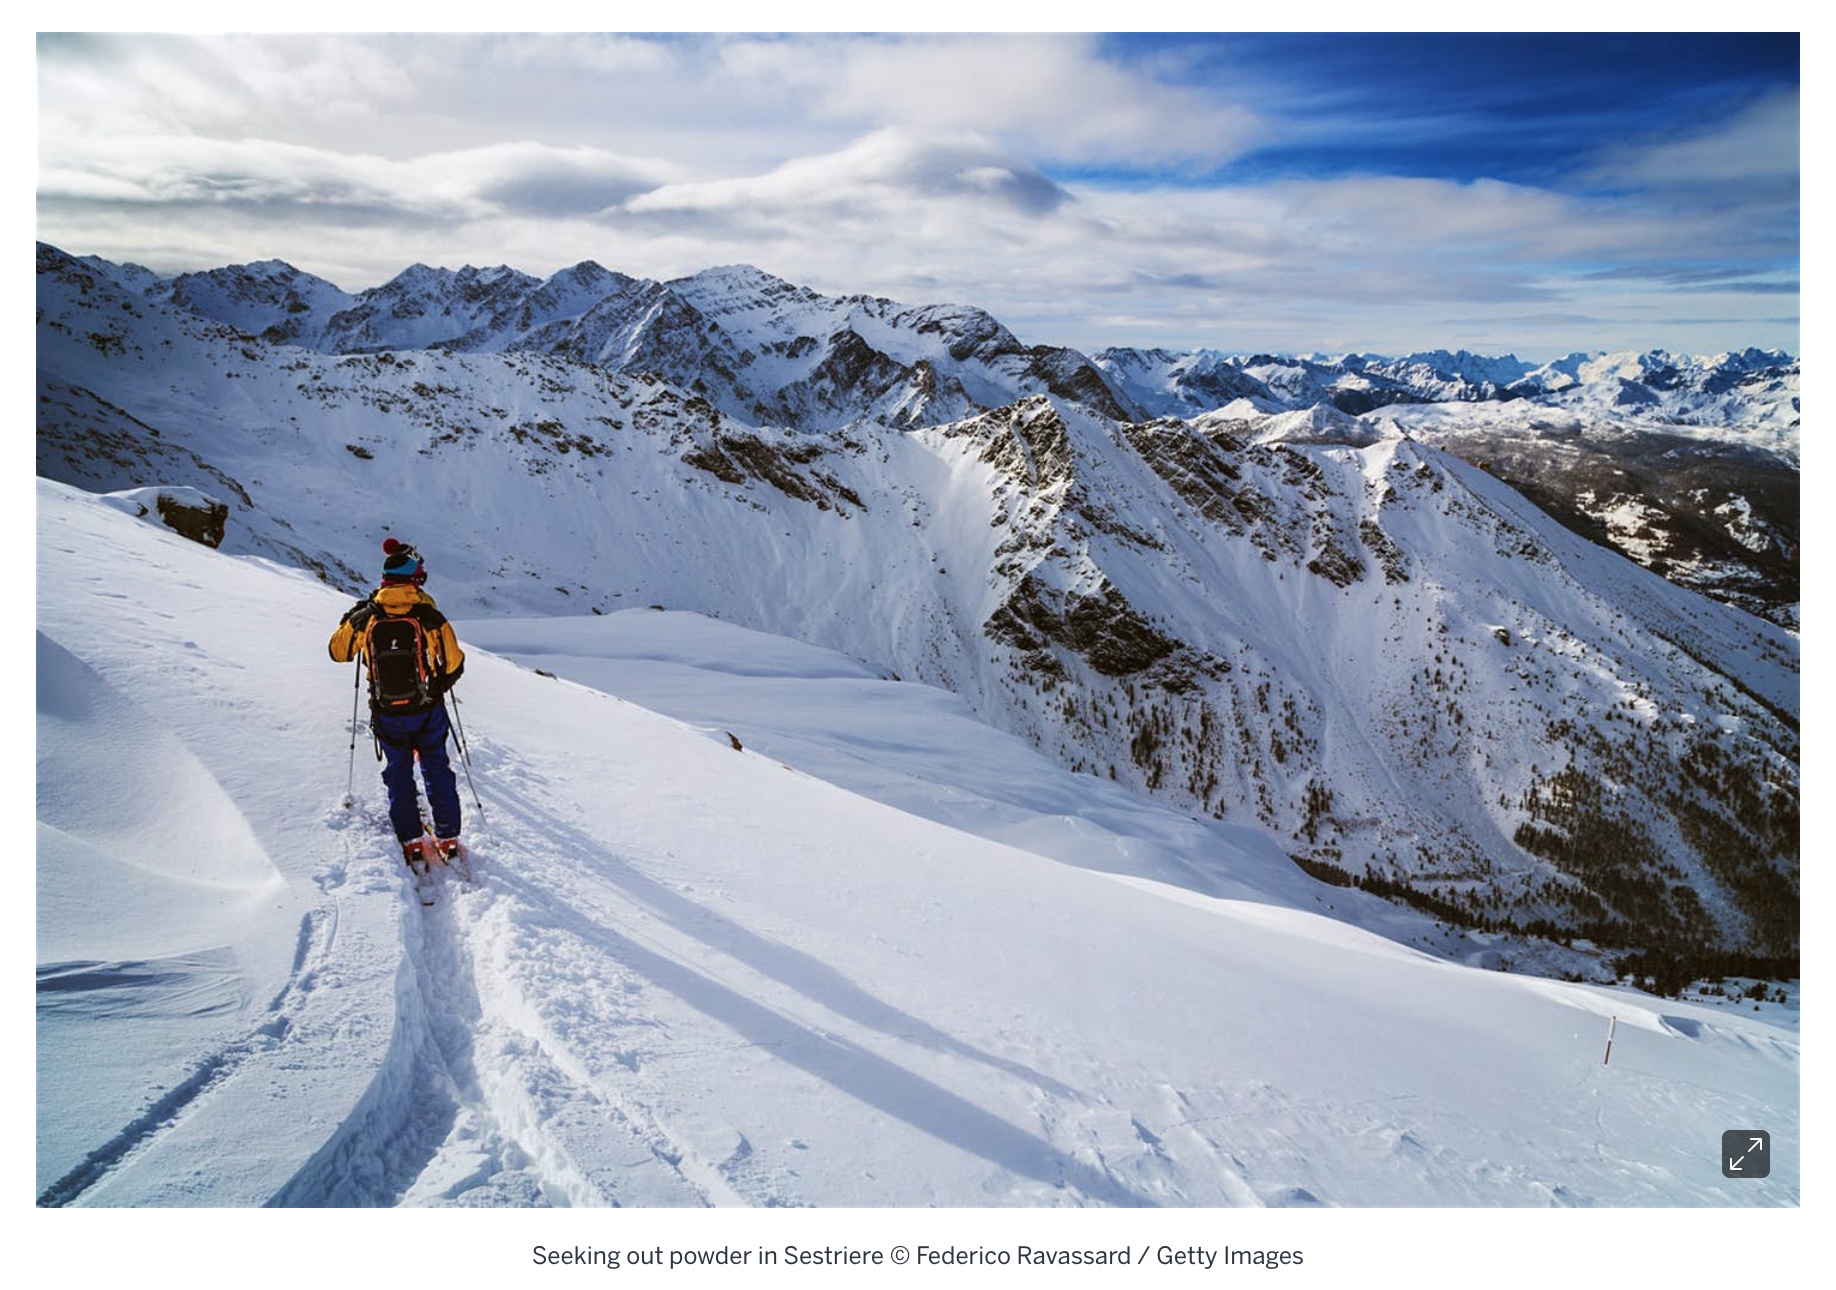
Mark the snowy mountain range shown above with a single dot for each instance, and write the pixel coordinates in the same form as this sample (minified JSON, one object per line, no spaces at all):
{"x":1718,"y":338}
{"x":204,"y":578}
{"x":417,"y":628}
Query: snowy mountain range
{"x":746,"y":337}
{"x":1269,"y":650}
{"x":1686,"y":464}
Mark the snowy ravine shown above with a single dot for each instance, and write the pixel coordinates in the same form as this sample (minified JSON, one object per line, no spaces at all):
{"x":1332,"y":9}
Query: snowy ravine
{"x":695,"y":975}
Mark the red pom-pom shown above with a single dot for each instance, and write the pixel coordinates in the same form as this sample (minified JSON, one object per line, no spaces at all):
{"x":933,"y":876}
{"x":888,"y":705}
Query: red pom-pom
{"x":390,"y":546}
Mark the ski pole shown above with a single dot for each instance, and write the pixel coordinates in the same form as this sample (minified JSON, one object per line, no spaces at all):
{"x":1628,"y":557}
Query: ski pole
{"x":350,"y":779}
{"x":465,"y":756}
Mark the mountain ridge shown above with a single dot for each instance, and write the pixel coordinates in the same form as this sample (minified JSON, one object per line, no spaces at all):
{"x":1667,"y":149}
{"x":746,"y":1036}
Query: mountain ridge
{"x":1355,"y":382}
{"x":1589,"y":435}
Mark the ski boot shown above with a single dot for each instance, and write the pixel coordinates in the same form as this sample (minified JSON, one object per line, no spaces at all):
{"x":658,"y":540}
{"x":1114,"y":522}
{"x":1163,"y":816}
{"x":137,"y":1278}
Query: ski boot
{"x":415,"y":854}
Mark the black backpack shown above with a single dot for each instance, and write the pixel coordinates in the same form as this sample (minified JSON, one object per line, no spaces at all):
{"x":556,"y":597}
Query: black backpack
{"x":401,"y":672}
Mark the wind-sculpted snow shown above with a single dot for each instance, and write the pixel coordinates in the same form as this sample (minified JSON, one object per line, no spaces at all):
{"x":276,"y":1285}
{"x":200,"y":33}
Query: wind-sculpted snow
{"x":161,"y":809}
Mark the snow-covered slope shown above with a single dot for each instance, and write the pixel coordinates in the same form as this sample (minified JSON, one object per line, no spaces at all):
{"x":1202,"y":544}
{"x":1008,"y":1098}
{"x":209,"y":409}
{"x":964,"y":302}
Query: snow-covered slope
{"x":693,"y":975}
{"x":1688,"y":465}
{"x":1385,"y":660}
{"x":1712,"y":508}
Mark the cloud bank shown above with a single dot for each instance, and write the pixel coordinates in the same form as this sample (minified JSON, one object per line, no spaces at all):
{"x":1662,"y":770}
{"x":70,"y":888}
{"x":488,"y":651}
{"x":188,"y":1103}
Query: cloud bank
{"x":1085,"y":193}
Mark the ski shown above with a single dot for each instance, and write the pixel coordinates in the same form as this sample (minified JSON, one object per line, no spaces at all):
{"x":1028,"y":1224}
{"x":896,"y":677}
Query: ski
{"x":433,"y":867}
{"x":461,"y":863}
{"x":427,"y":867}
{"x":426,"y":883}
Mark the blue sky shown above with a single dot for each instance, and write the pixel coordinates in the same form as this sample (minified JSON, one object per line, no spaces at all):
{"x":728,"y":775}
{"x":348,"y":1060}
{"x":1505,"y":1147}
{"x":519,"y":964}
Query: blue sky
{"x":1535,"y":194}
{"x":1518,"y":107}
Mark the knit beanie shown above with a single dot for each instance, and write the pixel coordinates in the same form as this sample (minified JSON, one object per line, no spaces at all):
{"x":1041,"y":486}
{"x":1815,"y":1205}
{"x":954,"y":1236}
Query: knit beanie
{"x":401,"y":563}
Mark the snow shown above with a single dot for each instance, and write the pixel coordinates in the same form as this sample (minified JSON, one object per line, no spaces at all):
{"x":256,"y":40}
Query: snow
{"x":195,"y":860}
{"x":913,"y":747}
{"x":879,"y":956}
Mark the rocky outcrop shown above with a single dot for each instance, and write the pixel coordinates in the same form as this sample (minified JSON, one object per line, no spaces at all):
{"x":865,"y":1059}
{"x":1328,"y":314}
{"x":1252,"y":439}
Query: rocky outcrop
{"x":185,"y":511}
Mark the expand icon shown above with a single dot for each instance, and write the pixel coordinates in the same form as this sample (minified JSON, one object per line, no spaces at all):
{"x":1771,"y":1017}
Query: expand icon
{"x":1746,"y":1153}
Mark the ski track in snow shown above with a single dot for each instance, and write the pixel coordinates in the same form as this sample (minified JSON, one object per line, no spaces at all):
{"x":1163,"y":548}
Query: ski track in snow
{"x":469,"y":1107}
{"x":526,"y":1068}
{"x":510,"y":1093}
{"x":577,"y":1127}
{"x":318,"y":933}
{"x":480,"y":1101}
{"x":522,"y":1071}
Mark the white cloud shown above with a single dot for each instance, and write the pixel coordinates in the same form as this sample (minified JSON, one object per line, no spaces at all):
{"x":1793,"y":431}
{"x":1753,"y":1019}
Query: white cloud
{"x":1053,"y":94}
{"x":475,"y":183}
{"x":599,"y":54}
{"x":1759,"y":146}
{"x":211,"y":85}
{"x":875,"y":178}
{"x":535,"y":179}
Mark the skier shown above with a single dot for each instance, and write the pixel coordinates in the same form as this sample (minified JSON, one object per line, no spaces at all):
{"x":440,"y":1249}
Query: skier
{"x":413,"y":659}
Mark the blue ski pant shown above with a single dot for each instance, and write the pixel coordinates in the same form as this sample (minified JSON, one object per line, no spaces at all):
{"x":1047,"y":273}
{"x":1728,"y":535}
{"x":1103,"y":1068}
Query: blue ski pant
{"x":405,"y":738}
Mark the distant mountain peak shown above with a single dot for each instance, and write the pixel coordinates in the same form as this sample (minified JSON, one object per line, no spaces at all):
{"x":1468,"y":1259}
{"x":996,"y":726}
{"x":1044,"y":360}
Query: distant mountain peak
{"x":734,"y":279}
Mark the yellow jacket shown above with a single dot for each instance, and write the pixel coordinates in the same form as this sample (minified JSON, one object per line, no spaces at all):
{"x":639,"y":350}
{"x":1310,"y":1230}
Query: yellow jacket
{"x":351,"y":639}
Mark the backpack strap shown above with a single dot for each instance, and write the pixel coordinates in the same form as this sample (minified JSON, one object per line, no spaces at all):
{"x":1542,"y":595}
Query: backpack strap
{"x":431,"y":620}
